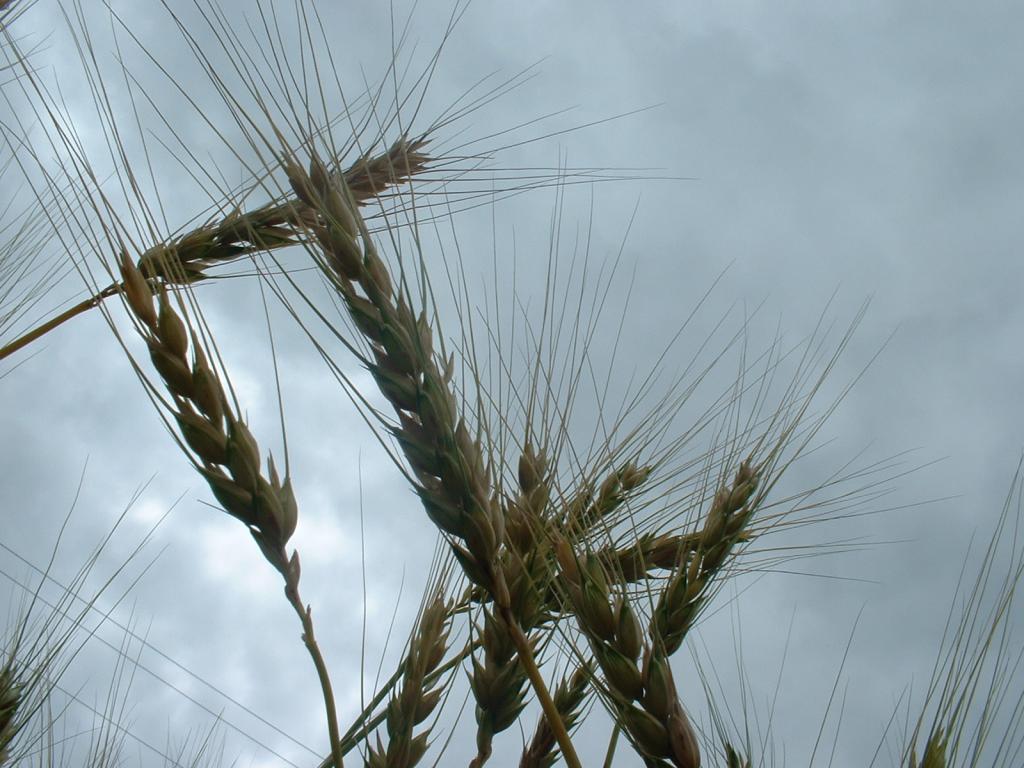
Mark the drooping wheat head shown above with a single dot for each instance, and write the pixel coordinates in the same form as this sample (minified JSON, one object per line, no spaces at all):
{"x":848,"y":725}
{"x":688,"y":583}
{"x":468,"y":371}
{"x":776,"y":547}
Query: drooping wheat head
{"x":225,"y":453}
{"x":219,"y":442}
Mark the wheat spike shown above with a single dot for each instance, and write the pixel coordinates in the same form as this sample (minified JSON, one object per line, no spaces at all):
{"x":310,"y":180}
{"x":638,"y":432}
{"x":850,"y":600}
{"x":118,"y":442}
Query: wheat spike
{"x":418,"y":697}
{"x":10,"y":700}
{"x":225,"y":453}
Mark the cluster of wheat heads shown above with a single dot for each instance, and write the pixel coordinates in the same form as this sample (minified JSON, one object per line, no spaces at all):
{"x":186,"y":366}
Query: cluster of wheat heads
{"x":568,"y":573}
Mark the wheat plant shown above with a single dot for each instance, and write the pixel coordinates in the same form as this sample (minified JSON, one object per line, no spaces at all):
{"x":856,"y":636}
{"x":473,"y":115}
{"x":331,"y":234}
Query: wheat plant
{"x":579,"y":543}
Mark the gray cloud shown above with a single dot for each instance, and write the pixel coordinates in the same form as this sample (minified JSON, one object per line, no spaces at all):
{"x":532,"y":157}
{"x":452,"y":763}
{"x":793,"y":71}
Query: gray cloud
{"x":869,"y":151}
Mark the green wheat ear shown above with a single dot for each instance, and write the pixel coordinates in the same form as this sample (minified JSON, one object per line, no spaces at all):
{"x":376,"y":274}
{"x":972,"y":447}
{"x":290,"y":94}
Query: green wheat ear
{"x":934,"y":752}
{"x":10,"y":700}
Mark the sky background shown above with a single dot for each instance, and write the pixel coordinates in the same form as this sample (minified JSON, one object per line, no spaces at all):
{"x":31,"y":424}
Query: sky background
{"x":821,"y":155}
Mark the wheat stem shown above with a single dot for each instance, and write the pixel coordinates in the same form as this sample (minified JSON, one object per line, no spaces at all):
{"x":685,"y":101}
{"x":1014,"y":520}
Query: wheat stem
{"x":540,"y":688}
{"x":569,"y":697}
{"x":309,"y":640}
{"x":84,"y":306}
{"x":612,"y":744}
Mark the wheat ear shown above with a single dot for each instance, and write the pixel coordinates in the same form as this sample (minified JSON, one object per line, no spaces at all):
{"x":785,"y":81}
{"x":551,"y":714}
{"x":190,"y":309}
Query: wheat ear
{"x":447,"y":462}
{"x":278,"y":225}
{"x":687,"y":589}
{"x":934,"y":755}
{"x":527,"y":563}
{"x":644,"y":695}
{"x":680,"y":601}
{"x":733,"y":759}
{"x":528,"y":558}
{"x":644,"y":700}
{"x":366,"y":722}
{"x":417,"y":699}
{"x":220,"y":444}
{"x":587,"y":509}
{"x":225,"y":453}
{"x":534,"y":520}
{"x":498,"y":683}
{"x":185,"y":259}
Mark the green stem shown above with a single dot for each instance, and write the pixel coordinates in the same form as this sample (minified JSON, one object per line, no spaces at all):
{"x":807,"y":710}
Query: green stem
{"x":611,"y":746}
{"x":306,"y":617}
{"x":63,"y":317}
{"x":540,"y":688}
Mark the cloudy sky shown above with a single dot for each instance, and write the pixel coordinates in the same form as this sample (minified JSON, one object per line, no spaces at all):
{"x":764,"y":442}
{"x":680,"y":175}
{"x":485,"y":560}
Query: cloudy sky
{"x":797,"y":160}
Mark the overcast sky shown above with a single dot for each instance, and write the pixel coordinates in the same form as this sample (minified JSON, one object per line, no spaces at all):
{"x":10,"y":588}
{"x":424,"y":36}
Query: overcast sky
{"x":816,"y":150}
